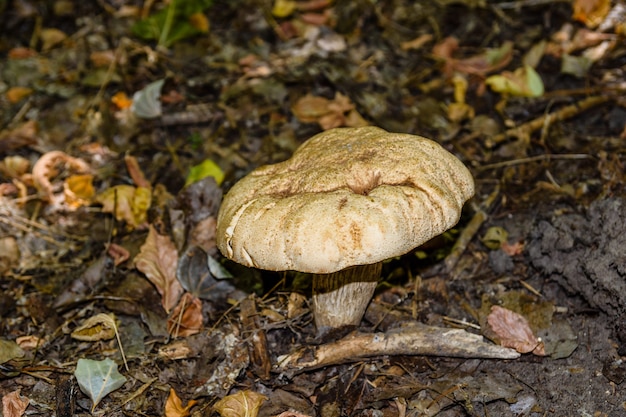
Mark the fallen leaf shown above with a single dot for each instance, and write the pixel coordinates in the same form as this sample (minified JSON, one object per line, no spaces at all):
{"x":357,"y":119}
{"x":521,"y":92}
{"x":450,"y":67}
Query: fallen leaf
{"x":51,"y":37}
{"x":121,"y":100}
{"x":14,"y":166}
{"x":126,"y":203}
{"x":78,"y":190}
{"x":135,"y":172}
{"x":9,"y":254}
{"x":97,"y":379}
{"x":29,"y":342}
{"x":22,"y":135}
{"x":206,"y":168}
{"x":523,"y":82}
{"x":174,"y":405}
{"x":17,"y":94}
{"x":490,"y":60}
{"x":283,"y":8}
{"x":514,"y":331}
{"x":146,"y":103}
{"x":202,"y":276}
{"x":157,"y":260}
{"x":590,"y":12}
{"x":49,"y":166}
{"x":119,"y":253}
{"x":242,"y":404}
{"x":9,"y":350}
{"x":99,"y":327}
{"x":329,"y":114}
{"x":13,"y":404}
{"x":200,"y":22}
{"x":186,"y":318}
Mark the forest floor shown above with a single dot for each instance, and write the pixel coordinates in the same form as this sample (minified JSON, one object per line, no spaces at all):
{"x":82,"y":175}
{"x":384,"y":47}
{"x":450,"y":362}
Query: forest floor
{"x":122,"y":126}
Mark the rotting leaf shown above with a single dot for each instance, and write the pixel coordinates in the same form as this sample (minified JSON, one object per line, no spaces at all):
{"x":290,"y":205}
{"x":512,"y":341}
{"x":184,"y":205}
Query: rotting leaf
{"x":97,"y":379}
{"x":197,"y":273}
{"x":242,"y":404}
{"x":329,"y":114}
{"x":186,"y":318}
{"x":13,"y":404}
{"x":157,"y":260}
{"x":174,"y":405}
{"x":9,"y":350}
{"x":514,"y":331}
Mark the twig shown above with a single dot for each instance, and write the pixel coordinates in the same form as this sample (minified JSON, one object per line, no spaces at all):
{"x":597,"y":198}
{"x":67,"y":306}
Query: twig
{"x":563,"y":113}
{"x":415,"y":340}
{"x":536,"y":158}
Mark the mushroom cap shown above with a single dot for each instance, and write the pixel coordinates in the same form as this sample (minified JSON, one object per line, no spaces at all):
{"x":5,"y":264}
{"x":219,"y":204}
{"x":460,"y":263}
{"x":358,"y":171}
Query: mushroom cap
{"x":347,"y":196}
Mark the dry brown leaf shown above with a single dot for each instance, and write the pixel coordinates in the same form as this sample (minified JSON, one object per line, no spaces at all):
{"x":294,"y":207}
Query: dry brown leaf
{"x":50,"y":37}
{"x":13,"y":405}
{"x":49,"y":166}
{"x":514,"y":331}
{"x":29,"y":342}
{"x":482,"y":64}
{"x":14,"y":166}
{"x":329,"y":114}
{"x":126,"y":203}
{"x":174,"y":405}
{"x":186,"y":318}
{"x":157,"y":260}
{"x":99,"y":327}
{"x":22,"y":135}
{"x":244,"y":403}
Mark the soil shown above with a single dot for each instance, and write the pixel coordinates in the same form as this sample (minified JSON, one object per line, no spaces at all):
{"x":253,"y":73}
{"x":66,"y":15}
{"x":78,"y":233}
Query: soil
{"x":544,"y":236}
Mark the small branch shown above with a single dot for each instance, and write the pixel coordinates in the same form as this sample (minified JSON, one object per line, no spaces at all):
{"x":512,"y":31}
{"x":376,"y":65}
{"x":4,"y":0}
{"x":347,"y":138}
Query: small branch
{"x":567,"y":112}
{"x":415,"y":340}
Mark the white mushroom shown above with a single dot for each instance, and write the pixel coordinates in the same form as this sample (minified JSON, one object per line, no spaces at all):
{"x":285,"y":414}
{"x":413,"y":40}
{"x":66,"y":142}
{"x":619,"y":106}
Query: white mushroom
{"x":346,"y":200}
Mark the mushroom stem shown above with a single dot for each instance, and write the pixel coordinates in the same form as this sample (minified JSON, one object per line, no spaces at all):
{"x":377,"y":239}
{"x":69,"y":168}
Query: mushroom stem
{"x":340,"y":298}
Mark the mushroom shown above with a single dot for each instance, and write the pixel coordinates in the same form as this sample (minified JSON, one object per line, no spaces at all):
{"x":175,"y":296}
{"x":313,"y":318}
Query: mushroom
{"x":348,"y":199}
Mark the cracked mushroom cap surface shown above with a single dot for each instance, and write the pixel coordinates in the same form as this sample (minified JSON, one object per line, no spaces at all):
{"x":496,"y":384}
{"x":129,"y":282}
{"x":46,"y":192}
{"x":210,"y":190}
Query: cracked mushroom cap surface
{"x":347,"y":197}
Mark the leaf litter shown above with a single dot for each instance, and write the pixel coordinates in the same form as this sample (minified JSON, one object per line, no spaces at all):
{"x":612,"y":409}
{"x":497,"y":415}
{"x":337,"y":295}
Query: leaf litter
{"x":211,"y":93}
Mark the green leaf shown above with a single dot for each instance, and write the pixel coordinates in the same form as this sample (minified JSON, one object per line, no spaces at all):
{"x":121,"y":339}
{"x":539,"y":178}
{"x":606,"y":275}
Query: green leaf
{"x":172,"y":23}
{"x":97,"y":379}
{"x":207,"y":168}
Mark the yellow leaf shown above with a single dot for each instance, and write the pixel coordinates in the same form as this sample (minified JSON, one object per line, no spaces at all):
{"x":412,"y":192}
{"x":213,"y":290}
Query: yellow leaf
{"x":78,"y":190}
{"x":283,"y":8}
{"x":242,"y":404}
{"x":591,"y":12}
{"x":206,"y":168}
{"x":523,"y":82}
{"x":126,"y":203}
{"x":200,"y":22}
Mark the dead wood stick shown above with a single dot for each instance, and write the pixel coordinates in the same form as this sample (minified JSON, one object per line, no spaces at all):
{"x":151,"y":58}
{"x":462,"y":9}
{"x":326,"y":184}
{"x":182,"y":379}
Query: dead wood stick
{"x":417,"y":339}
{"x":561,"y":114}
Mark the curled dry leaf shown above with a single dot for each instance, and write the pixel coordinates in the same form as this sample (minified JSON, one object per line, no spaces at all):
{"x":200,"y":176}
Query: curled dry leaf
{"x":244,"y":403}
{"x":49,"y":166}
{"x":157,"y":260}
{"x":514,"y":331}
{"x":174,"y":405}
{"x":119,"y":253}
{"x":13,"y":404}
{"x":99,"y":327}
